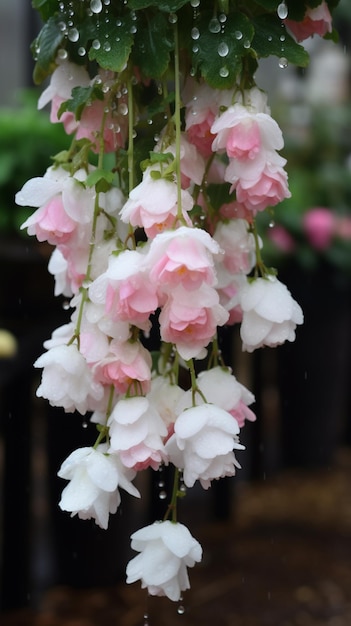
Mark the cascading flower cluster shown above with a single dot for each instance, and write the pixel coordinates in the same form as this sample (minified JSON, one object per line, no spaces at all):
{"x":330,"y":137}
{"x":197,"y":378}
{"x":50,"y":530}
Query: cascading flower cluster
{"x":151,"y":215}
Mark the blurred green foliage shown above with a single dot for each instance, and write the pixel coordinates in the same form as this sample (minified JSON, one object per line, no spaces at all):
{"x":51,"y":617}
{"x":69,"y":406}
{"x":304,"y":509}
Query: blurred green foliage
{"x":27,"y":142}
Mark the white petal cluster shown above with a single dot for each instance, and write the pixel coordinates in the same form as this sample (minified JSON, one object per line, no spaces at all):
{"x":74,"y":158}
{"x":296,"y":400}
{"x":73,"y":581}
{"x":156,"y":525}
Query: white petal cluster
{"x":202,"y":444}
{"x":166,"y":550}
{"x":94,"y":478}
{"x":270,"y":314}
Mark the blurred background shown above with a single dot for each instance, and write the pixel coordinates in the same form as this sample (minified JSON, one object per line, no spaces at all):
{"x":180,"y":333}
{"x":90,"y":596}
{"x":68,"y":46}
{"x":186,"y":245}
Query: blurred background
{"x":277,"y":537}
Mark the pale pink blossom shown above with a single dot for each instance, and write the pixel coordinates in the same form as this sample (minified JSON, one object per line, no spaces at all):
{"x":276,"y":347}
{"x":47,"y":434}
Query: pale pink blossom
{"x":94,"y":478}
{"x":126,"y":289}
{"x":166,"y":550}
{"x":126,"y":366}
{"x":270,"y":314}
{"x":183,"y":256}
{"x":202,"y":444}
{"x":67,"y":380}
{"x":220,"y":387}
{"x":316,"y":21}
{"x":192,"y":164}
{"x":136,"y":432}
{"x":319,"y":226}
{"x":238,"y":245}
{"x":165,"y":396}
{"x":189,"y":319}
{"x":153,"y":204}
{"x":201,"y":107}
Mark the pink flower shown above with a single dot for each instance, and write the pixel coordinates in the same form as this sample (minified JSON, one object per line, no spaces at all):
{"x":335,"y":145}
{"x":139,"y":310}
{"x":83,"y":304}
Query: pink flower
{"x":136,"y":433}
{"x":189,"y":319}
{"x":261,"y":184}
{"x":192,"y":164}
{"x":153,"y":204}
{"x":317,"y":21}
{"x":127,"y":366}
{"x":126,"y":290}
{"x":238,"y":246}
{"x":115,"y":126}
{"x":319,"y":226}
{"x":182,"y":256}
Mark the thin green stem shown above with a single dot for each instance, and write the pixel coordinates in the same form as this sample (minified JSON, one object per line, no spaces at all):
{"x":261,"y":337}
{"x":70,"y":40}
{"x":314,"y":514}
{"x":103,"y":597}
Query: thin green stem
{"x":130,"y":153}
{"x":172,"y":507}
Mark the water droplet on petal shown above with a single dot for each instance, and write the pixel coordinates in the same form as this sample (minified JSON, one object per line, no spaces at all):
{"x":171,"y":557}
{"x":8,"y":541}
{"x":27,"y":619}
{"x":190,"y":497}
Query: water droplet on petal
{"x":283,"y":63}
{"x":282,"y":11}
{"x":223,"y":49}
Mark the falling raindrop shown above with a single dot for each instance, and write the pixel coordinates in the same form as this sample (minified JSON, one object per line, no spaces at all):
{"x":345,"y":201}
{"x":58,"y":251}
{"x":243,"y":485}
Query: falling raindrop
{"x":84,"y":424}
{"x":282,"y":11}
{"x":283,"y":62}
{"x":271,"y":224}
{"x":223,"y":49}
{"x":96,"y":6}
{"x":181,"y":609}
{"x":162,"y":495}
{"x":214,"y":25}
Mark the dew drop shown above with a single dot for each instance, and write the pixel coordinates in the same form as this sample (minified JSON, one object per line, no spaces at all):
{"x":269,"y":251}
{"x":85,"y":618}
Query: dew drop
{"x":96,"y":44}
{"x":118,"y":22}
{"x":238,"y":35}
{"x":133,"y":29}
{"x":195,"y":33}
{"x":123,"y":108}
{"x":247,"y":44}
{"x":107,"y":46}
{"x":195,"y":3}
{"x":82,"y":51}
{"x":282,"y":11}
{"x":84,"y":424}
{"x":61,"y":54}
{"x":173,"y":18}
{"x":65,"y":305}
{"x":283,"y":63}
{"x":162,"y":495}
{"x":96,"y":6}
{"x":282,"y":37}
{"x":270,"y":38}
{"x":222,"y":18}
{"x":62,"y":26}
{"x":223,"y":49}
{"x":214,"y":26}
{"x":73,"y":34}
{"x":195,"y":49}
{"x":224,"y":72}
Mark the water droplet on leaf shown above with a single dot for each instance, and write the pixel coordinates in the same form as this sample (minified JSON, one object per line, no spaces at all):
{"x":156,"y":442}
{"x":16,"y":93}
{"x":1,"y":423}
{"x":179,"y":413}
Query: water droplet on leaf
{"x":96,"y":6}
{"x":223,"y":49}
{"x":282,"y":11}
{"x":224,"y":72}
{"x":73,"y":34}
{"x":195,"y":33}
{"x":283,"y":63}
{"x":214,"y":26}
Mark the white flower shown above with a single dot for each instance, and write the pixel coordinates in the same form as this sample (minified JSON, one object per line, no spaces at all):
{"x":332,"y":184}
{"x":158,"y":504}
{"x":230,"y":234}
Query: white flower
{"x":166,"y":550}
{"x":67,"y":380}
{"x":270,"y":314}
{"x":94,"y":480}
{"x":165,"y":397}
{"x":136,"y":432}
{"x":202,"y":444}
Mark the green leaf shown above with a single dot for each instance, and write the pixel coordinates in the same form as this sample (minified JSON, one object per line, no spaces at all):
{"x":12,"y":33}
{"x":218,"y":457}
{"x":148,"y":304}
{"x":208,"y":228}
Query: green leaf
{"x":100,"y":179}
{"x":115,"y":44}
{"x":151,"y":49}
{"x":45,"y":47}
{"x":218,"y":55}
{"x":267,"y":42}
{"x":46,"y":8}
{"x":80,"y":97}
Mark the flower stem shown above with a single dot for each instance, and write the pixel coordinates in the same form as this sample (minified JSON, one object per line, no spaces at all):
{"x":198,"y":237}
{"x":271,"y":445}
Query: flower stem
{"x":177,"y":120}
